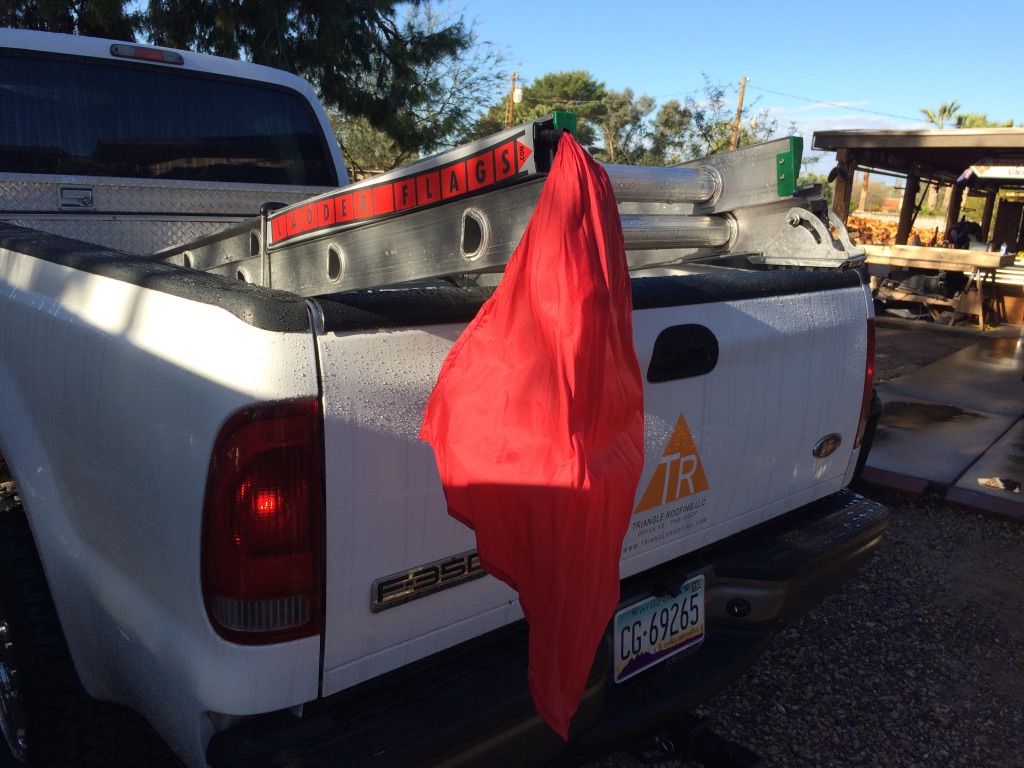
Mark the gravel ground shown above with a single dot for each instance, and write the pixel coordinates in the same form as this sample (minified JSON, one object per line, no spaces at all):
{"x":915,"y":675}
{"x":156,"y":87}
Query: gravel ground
{"x":917,"y":662}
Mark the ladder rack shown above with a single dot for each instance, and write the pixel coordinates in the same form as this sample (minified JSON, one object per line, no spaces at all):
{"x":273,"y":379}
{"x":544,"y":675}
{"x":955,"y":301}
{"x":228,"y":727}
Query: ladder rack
{"x":463,"y":212}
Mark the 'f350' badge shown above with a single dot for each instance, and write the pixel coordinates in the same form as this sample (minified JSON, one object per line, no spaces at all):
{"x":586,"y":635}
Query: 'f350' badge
{"x":424,"y":580}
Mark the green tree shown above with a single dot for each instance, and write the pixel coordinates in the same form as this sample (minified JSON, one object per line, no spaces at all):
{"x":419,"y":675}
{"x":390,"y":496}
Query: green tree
{"x":710,"y":126}
{"x":877,"y":192}
{"x":623,"y":127}
{"x":493,"y":120}
{"x":668,"y":134}
{"x":976,"y":120}
{"x":100,"y":18}
{"x":943,"y":115}
{"x":618,"y":126}
{"x":361,"y":57}
{"x":417,"y":77}
{"x":632,"y":137}
{"x":460,"y":84}
{"x":367,"y":151}
{"x":455,"y":84}
{"x":575,"y":91}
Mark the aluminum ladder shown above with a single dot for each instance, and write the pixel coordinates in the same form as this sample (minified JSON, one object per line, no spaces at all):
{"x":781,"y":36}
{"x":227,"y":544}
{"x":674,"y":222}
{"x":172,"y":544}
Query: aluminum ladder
{"x":462,"y":212}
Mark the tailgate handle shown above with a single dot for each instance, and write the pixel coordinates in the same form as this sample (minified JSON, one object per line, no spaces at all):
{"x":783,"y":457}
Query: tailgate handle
{"x":683,"y":352}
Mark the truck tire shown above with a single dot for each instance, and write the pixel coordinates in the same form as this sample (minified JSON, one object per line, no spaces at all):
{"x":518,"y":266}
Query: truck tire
{"x":46,"y":716}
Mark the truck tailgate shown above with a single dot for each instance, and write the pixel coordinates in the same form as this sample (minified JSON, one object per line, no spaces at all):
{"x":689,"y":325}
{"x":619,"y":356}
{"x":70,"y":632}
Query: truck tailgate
{"x":746,"y":375}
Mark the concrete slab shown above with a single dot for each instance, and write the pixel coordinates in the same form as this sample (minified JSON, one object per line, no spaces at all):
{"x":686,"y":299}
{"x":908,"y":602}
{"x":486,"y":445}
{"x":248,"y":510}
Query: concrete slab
{"x":914,"y":487}
{"x":985,"y":377}
{"x":983,"y":504}
{"x":954,"y":423}
{"x":978,"y":489}
{"x":928,"y":440}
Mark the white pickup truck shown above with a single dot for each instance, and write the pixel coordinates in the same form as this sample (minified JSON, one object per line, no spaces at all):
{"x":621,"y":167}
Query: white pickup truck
{"x":216,"y":510}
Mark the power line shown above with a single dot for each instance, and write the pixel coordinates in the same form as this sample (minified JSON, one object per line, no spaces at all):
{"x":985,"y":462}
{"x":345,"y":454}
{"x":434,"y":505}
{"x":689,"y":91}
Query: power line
{"x":833,"y":104}
{"x":776,"y":93}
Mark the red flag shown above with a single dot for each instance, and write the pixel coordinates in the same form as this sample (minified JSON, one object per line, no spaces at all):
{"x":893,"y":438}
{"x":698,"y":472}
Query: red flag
{"x":536,"y":422}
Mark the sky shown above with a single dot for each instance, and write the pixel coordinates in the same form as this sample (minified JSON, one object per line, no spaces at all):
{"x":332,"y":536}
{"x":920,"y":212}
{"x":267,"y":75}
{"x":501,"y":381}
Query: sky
{"x":819,"y":65}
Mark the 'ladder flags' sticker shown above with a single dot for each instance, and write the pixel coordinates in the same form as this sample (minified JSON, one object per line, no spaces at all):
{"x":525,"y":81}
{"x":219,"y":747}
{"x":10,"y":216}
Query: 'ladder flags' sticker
{"x":417,"y":189}
{"x":679,"y":473}
{"x":536,"y":422}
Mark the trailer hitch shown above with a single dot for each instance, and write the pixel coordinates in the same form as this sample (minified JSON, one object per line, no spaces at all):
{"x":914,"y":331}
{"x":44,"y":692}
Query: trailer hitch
{"x":692,"y":739}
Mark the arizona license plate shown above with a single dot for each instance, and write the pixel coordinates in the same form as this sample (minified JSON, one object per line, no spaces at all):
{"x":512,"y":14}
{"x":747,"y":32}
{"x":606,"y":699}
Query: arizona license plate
{"x":657,"y":628}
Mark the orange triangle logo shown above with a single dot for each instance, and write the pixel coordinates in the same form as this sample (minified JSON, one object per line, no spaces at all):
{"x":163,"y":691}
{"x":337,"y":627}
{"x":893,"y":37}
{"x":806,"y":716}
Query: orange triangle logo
{"x":523,"y":152}
{"x":679,"y":473}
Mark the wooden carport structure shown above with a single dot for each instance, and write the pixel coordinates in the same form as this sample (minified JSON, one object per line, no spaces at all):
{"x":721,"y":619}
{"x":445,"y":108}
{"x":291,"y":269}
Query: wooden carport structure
{"x":942,"y":157}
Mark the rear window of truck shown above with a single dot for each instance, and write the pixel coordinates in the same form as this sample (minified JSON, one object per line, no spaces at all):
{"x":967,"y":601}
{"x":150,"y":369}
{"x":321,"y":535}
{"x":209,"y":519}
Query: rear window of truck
{"x":65,"y":115}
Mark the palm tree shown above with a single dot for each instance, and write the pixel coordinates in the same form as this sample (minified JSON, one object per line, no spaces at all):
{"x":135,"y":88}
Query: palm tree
{"x":976,"y":120}
{"x":944,"y":114}
{"x":938,"y":118}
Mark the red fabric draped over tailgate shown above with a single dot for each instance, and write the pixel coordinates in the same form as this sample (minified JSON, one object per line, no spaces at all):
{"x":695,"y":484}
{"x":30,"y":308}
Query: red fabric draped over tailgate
{"x":536,"y":422}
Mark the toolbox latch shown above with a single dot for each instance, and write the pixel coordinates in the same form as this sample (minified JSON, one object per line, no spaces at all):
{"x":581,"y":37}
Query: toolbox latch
{"x":75,"y":198}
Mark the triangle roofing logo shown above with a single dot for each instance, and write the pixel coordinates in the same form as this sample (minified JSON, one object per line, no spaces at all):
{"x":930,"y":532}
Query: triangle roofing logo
{"x":679,"y":473}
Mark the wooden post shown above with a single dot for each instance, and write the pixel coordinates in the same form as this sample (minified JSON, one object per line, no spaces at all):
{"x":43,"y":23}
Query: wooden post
{"x":907,"y":209}
{"x":863,"y":204}
{"x":511,"y":116}
{"x":956,"y":197}
{"x":986,"y":214}
{"x":846,"y":167}
{"x":739,"y":114}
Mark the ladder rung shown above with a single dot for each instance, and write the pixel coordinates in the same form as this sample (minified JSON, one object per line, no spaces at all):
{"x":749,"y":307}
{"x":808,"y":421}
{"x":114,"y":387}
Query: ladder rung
{"x":666,"y":230}
{"x":647,"y":184}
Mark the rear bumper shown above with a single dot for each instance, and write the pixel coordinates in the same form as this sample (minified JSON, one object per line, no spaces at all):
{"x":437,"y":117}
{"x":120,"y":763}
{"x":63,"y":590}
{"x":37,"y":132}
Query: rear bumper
{"x":470,"y":705}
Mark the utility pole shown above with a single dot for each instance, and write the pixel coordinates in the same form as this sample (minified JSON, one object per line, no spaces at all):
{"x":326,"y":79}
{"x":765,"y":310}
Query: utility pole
{"x":739,"y":111}
{"x":863,"y":204}
{"x":510,"y":119}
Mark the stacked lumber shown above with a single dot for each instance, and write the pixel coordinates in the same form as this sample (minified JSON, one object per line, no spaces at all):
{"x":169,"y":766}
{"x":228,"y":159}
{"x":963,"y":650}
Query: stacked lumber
{"x":864,"y":231}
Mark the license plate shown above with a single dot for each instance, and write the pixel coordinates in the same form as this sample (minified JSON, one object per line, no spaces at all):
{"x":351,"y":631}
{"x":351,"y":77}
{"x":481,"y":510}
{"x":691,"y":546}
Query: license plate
{"x":657,"y":628}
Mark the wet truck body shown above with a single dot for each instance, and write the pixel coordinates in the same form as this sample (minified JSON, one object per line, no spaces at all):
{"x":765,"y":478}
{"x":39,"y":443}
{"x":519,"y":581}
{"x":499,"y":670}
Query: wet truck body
{"x":216,"y":509}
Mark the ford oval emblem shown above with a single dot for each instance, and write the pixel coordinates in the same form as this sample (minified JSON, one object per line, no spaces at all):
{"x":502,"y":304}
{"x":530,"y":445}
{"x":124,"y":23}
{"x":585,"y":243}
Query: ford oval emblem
{"x":827,"y":445}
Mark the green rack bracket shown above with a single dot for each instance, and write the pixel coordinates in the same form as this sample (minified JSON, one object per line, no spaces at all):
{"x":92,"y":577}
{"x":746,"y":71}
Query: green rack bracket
{"x":788,"y":167}
{"x":565,"y":121}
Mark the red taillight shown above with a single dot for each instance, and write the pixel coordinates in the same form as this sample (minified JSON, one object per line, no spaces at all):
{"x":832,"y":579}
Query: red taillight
{"x":869,"y":381}
{"x":262,"y":523}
